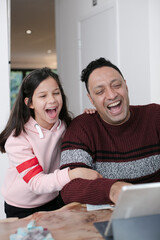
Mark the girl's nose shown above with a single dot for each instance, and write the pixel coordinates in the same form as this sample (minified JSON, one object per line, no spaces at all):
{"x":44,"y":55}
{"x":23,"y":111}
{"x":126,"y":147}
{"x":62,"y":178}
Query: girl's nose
{"x":51,"y":98}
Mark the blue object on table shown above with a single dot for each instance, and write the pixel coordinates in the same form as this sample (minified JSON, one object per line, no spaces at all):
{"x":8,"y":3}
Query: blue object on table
{"x":32,"y":232}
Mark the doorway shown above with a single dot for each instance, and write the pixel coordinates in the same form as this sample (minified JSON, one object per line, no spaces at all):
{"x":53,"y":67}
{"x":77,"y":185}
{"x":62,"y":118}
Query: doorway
{"x":32,"y":39}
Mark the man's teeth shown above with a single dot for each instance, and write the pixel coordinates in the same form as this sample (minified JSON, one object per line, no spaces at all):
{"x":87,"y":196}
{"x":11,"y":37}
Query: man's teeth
{"x":114,"y":104}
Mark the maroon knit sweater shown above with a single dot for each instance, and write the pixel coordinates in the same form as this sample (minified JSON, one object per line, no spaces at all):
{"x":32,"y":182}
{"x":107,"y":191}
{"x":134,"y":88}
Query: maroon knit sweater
{"x":129,"y":152}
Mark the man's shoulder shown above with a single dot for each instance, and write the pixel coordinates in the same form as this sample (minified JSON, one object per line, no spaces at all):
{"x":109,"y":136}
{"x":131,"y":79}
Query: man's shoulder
{"x":144,"y":112}
{"x":84,"y":117}
{"x":84,"y":121}
{"x":147,"y":107}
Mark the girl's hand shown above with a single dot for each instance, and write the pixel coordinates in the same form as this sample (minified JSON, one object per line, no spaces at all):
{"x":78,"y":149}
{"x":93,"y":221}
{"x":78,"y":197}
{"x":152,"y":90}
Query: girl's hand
{"x":89,"y":110}
{"x":84,"y":173}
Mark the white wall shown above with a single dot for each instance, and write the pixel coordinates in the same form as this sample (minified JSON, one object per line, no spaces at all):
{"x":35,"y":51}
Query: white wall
{"x":134,"y":48}
{"x":68,"y":15}
{"x":4,"y":86}
{"x":137,"y":43}
{"x":154,"y":49}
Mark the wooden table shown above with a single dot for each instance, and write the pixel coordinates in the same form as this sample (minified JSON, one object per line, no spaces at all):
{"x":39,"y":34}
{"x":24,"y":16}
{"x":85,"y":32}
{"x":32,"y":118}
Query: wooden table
{"x":72,"y":222}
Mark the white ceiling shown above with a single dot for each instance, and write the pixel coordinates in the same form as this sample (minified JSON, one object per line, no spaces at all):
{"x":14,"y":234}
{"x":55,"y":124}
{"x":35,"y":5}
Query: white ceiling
{"x":31,"y":51}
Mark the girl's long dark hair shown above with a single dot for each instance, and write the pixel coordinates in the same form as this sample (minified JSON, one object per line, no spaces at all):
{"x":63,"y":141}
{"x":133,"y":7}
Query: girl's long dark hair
{"x":21,"y":112}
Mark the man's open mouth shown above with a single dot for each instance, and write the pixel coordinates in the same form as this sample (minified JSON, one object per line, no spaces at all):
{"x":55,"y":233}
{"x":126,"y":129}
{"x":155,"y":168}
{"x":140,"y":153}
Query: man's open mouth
{"x":114,"y":105}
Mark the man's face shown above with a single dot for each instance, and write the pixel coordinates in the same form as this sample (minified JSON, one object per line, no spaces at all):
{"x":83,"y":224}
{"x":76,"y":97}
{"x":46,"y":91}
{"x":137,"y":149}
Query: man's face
{"x":108,"y":92}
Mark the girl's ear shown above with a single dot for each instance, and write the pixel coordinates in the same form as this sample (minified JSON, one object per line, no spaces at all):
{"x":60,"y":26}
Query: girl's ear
{"x":26,"y":102}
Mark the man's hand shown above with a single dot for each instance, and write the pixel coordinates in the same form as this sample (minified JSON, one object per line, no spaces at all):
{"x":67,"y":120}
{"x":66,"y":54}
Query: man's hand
{"x":116,"y":189}
{"x":84,"y":173}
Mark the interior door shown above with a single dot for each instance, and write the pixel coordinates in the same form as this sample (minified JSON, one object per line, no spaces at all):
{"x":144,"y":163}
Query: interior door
{"x":97,"y":38}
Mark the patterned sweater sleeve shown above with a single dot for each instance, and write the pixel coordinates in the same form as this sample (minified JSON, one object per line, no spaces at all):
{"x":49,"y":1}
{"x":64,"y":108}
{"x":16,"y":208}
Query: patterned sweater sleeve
{"x":87,"y":191}
{"x":77,"y":149}
{"x":82,"y":190}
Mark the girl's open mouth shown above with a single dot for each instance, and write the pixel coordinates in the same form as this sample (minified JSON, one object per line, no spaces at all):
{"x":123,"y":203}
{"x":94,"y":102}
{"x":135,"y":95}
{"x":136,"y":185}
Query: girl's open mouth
{"x":52,"y":112}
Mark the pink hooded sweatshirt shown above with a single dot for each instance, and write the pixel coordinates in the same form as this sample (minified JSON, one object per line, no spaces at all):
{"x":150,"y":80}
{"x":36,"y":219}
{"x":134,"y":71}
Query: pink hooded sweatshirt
{"x":33,"y":177}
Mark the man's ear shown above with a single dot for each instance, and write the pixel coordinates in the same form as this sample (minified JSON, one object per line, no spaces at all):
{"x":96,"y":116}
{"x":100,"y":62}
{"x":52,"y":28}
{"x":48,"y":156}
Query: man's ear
{"x":26,"y":102}
{"x":89,"y":96}
{"x":126,"y":85}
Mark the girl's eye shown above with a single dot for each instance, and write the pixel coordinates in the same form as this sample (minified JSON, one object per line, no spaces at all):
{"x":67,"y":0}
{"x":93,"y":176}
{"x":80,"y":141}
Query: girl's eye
{"x":42,"y":96}
{"x":56,"y":93}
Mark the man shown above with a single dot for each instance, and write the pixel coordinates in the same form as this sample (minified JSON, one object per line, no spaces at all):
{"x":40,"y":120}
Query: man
{"x":120,"y":141}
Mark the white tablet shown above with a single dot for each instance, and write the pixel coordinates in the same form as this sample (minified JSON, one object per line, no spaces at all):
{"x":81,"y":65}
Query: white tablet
{"x":134,"y":201}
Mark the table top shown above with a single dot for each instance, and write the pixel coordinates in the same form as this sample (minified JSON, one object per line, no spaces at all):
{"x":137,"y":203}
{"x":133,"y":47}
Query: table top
{"x":72,"y":222}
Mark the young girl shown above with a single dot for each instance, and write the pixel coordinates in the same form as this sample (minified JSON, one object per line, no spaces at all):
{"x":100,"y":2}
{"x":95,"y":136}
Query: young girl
{"x":32,"y":140}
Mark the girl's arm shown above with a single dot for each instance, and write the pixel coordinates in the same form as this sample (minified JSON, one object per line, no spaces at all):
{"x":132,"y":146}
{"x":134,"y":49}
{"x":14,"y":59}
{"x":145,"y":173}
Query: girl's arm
{"x":84,"y":173}
{"x":25,"y":167}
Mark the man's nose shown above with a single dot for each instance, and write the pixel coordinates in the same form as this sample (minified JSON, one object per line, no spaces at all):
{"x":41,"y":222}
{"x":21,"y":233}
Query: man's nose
{"x":110,"y":93}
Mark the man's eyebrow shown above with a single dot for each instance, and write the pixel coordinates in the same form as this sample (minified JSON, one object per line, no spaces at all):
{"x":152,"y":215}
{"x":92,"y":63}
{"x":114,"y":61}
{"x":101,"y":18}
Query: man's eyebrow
{"x":99,"y":86}
{"x":115,"y":80}
{"x":112,"y":81}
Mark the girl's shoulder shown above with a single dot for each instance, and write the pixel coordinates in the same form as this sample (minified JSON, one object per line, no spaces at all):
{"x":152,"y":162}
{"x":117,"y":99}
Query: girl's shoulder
{"x":18,"y":141}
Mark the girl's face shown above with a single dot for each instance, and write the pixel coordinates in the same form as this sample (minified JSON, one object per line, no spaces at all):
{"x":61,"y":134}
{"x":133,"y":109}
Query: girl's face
{"x":47,"y":103}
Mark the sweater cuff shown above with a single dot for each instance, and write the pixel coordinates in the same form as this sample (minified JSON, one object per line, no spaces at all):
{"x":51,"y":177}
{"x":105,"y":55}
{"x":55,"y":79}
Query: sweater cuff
{"x":63,"y":176}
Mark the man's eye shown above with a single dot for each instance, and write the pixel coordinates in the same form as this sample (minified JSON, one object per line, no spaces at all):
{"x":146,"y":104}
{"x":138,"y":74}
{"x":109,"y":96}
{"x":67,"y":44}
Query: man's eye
{"x":116,"y":86}
{"x":99,"y":92}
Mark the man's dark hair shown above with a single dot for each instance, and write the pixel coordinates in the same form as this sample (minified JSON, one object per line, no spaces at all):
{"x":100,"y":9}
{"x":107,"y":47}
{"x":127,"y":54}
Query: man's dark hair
{"x":98,"y":63}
